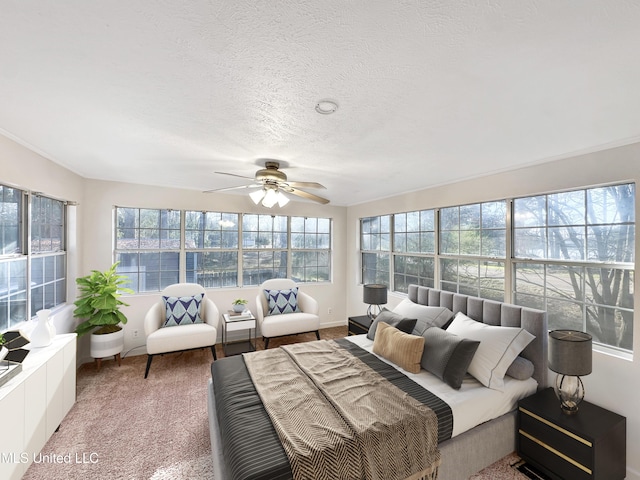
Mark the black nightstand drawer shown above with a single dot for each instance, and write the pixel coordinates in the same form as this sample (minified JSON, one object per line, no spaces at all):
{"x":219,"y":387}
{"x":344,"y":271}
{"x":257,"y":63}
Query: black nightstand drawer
{"x":359,"y":325}
{"x":556,"y":439}
{"x":553,"y":463}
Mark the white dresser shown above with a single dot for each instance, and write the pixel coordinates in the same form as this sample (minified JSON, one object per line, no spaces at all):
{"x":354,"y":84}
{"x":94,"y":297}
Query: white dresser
{"x":34,"y":402}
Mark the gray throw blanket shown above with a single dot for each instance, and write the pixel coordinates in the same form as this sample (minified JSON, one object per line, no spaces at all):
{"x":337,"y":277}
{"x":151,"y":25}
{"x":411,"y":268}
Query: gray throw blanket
{"x":338,"y":419}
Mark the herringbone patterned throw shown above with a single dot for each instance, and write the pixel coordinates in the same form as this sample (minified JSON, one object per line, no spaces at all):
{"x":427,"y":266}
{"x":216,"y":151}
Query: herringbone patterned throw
{"x":338,"y":419}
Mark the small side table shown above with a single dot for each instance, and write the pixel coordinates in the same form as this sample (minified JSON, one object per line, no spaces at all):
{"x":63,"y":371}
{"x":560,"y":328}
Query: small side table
{"x":359,"y":324}
{"x":234,"y":324}
{"x":591,"y":444}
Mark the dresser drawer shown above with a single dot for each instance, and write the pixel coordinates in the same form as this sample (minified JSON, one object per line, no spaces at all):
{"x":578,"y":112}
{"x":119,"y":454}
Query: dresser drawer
{"x":574,"y":448}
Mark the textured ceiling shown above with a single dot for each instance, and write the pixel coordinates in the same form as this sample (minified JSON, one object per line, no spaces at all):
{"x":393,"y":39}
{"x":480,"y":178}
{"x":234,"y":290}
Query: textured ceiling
{"x":167,"y":92}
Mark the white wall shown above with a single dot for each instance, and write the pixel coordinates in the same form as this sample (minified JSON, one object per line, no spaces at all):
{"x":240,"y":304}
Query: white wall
{"x":614,"y":381}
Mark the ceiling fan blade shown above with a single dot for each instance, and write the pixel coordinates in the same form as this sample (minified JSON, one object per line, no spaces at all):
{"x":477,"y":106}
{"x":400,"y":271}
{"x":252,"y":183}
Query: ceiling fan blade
{"x":306,"y":185}
{"x":234,"y":175}
{"x":255,"y":185}
{"x":310,"y":196}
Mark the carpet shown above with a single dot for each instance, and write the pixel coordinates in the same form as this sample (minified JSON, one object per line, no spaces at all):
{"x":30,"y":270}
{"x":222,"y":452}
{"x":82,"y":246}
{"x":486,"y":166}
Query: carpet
{"x":510,"y":467}
{"x":125,"y":427}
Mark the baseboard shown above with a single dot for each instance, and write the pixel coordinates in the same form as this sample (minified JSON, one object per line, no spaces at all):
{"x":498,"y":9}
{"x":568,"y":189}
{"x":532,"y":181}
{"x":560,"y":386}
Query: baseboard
{"x":335,"y":323}
{"x":632,"y":474}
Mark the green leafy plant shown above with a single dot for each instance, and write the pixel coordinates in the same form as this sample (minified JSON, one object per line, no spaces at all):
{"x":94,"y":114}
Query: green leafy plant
{"x":99,"y":303}
{"x":239,"y":301}
{"x":2,"y":340}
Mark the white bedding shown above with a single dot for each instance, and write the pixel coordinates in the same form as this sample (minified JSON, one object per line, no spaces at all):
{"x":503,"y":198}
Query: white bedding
{"x":474,"y":403}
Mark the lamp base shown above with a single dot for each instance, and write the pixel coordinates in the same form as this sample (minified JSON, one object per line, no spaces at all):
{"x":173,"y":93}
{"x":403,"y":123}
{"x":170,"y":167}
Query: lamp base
{"x":371,"y":311}
{"x":570,"y":391}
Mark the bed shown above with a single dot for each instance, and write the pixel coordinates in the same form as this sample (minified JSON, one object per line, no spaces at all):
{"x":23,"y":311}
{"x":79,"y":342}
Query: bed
{"x":475,"y":438}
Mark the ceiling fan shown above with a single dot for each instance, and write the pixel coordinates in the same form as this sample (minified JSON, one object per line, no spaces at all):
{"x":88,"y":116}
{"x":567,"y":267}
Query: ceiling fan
{"x":272,"y":182}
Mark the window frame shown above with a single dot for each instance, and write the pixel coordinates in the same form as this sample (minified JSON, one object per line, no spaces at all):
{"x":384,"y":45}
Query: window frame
{"x":39,"y":260}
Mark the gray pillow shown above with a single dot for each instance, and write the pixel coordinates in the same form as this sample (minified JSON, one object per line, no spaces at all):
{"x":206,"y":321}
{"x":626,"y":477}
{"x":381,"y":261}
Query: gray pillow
{"x":447,"y":356}
{"x":520,"y":369}
{"x":393,"y":319}
{"x":427,"y":316}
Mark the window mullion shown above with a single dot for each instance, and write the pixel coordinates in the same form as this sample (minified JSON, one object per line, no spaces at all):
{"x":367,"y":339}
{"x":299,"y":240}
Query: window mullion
{"x":509,"y":286}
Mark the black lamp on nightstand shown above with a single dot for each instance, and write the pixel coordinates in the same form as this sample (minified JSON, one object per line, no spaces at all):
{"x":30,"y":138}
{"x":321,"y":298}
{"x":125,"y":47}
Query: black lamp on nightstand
{"x":374,"y":294}
{"x":570,"y":357}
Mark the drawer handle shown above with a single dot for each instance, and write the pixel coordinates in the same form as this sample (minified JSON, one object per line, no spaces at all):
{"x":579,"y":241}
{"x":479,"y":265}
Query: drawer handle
{"x":556,"y":427}
{"x":553,"y":450}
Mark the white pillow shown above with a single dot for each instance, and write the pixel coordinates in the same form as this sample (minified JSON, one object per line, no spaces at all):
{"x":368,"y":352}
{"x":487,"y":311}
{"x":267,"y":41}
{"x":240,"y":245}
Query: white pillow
{"x":499,"y":346}
{"x":426,"y":316}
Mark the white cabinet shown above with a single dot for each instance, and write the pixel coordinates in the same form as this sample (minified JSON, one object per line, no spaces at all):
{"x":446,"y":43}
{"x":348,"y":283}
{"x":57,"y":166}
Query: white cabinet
{"x":34,"y":402}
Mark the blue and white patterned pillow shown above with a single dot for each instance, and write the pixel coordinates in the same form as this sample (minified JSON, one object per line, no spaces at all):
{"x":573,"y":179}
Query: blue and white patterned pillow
{"x":282,"y":301}
{"x":183,"y":310}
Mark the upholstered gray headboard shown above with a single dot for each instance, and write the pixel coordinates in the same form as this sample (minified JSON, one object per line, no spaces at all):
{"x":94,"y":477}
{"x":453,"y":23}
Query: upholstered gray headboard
{"x":495,"y":313}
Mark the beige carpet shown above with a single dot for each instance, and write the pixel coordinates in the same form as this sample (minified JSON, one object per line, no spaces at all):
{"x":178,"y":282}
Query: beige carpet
{"x":126,"y":427}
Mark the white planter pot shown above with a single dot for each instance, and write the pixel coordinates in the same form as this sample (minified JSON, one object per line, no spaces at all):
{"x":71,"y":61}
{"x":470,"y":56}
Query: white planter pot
{"x":107,"y":345}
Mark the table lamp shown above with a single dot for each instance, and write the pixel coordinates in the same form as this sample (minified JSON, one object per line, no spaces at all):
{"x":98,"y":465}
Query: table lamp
{"x":570,"y":356}
{"x":374,"y":294}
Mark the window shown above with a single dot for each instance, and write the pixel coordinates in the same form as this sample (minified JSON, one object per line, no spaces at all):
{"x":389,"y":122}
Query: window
{"x":33,"y":262}
{"x":148,"y":247}
{"x":13,"y":265}
{"x":375,"y":241}
{"x":472,"y":237}
{"x":219,"y":249}
{"x":414,"y":249}
{"x":11,"y":217}
{"x":211,"y":243}
{"x":574,"y":256}
{"x":570,"y":253}
{"x":310,"y":249}
{"x":48,"y":258}
{"x":264,"y":243}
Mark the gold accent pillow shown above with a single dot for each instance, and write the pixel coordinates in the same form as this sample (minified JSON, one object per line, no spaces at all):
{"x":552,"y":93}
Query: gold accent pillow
{"x":401,"y":348}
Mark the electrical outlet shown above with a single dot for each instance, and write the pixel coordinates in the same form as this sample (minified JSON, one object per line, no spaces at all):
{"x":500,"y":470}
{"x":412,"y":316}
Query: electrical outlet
{"x":330,"y":311}
{"x":135,"y":334}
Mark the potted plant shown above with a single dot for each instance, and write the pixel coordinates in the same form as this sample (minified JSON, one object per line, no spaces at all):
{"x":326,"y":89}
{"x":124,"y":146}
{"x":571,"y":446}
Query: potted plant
{"x":239,"y":305}
{"x":99,"y":307}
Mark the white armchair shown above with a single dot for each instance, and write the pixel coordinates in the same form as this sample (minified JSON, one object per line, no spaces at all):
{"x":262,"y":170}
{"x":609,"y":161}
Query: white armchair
{"x":307,"y":320}
{"x":187,"y":336}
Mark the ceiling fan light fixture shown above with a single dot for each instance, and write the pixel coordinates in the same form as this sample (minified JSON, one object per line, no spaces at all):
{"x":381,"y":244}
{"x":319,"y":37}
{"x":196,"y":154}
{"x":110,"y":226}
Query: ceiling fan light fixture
{"x":257,"y":196}
{"x":270,"y":198}
{"x":273,"y":187}
{"x":326,"y":107}
{"x":282,"y":199}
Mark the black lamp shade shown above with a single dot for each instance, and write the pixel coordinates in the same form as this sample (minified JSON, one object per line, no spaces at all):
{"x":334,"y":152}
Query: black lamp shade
{"x":374,"y":294}
{"x":570,"y":352}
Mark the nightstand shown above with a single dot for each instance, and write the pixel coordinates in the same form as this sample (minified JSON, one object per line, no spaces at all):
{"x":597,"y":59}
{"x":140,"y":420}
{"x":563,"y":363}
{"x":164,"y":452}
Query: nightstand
{"x":588,"y":445}
{"x":359,"y":324}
